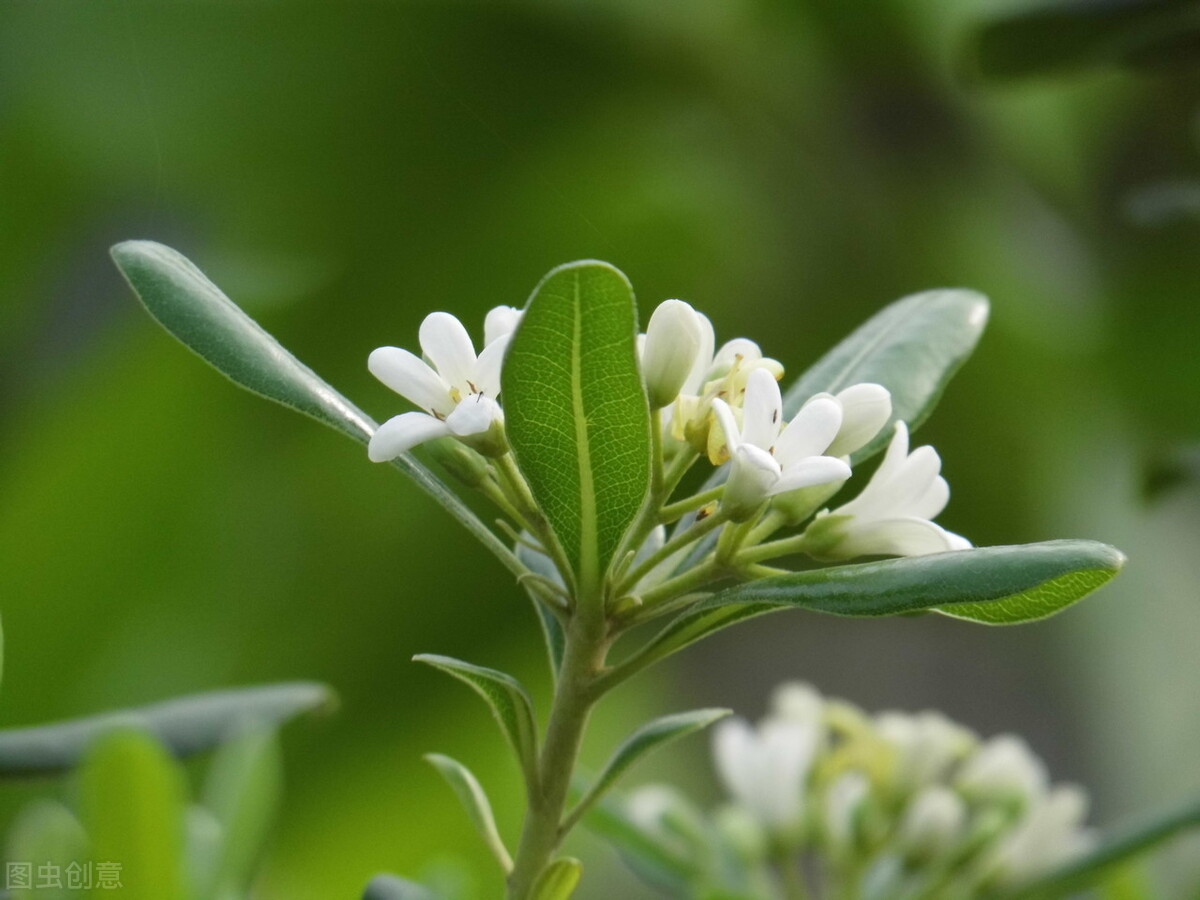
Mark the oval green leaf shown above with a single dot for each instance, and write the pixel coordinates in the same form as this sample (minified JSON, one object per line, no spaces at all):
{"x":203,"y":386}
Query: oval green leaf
{"x":131,"y":796}
{"x":912,"y":347}
{"x":558,"y":880}
{"x":195,"y":311}
{"x":474,"y":800}
{"x":995,"y":585}
{"x":185,"y":725}
{"x":648,"y":737}
{"x":243,"y":791}
{"x":576,"y":411}
{"x":506,"y":698}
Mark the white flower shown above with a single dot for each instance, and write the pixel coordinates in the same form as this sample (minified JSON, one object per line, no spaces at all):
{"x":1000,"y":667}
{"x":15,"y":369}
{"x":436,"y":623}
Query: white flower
{"x":1051,"y":834}
{"x":1003,"y":768}
{"x":766,"y":769}
{"x":925,"y":746}
{"x":456,"y":388}
{"x":893,"y":514}
{"x":720,"y":374}
{"x":843,"y":800}
{"x":670,"y":348}
{"x":933,"y":823}
{"x":767,"y":458}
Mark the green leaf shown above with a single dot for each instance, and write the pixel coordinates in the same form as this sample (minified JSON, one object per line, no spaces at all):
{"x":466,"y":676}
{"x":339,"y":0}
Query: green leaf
{"x":576,"y":411}
{"x":996,"y":585}
{"x":558,"y":880}
{"x":185,"y":725}
{"x":552,"y":630}
{"x":243,"y":790}
{"x":1067,"y":37}
{"x":508,"y":701}
{"x":393,"y":887}
{"x":197,"y":313}
{"x":912,"y":347}
{"x":646,"y":738}
{"x":1118,"y":850}
{"x":45,"y":832}
{"x":471,"y":794}
{"x":131,"y":797}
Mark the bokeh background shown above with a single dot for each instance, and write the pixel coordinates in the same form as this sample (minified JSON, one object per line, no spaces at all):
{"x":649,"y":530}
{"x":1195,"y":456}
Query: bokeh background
{"x":789,"y":166}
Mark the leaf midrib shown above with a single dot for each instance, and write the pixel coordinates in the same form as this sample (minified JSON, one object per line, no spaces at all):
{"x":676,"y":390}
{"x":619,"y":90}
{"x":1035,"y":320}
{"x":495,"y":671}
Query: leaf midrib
{"x":587,"y":486}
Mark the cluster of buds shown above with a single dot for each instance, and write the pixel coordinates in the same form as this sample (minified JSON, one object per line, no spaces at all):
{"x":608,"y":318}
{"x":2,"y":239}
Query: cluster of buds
{"x":722,"y":404}
{"x":893,"y":806}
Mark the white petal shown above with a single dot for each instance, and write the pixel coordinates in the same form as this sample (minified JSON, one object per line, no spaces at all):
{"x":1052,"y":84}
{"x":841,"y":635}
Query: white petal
{"x":897,"y":537}
{"x":474,"y":415}
{"x":742,"y":349}
{"x":486,"y":377}
{"x":704,"y":356}
{"x":411,"y":378}
{"x":728,"y":423}
{"x":877,"y":499}
{"x":911,"y":483}
{"x":672,"y":344}
{"x":444,"y":340}
{"x":403,"y":432}
{"x":762,"y":411}
{"x":811,"y":432}
{"x":866,"y":408}
{"x":933,"y":501}
{"x":811,"y":471}
{"x":500,"y":321}
{"x":788,"y":748}
{"x":752,"y":474}
{"x":735,"y":753}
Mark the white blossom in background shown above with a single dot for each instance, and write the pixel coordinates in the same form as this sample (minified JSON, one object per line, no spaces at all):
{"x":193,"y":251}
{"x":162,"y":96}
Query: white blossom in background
{"x":768,"y":457}
{"x":766,"y":769}
{"x":1050,"y":834}
{"x":934,"y":822}
{"x":1004,"y":768}
{"x":893,"y":515}
{"x":886,"y":806}
{"x":669,"y":349}
{"x":456,"y":388}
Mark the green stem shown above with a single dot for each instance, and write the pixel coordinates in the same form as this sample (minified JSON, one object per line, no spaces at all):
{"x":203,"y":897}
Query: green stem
{"x":681,"y":540}
{"x":574,"y":697}
{"x":679,"y":467}
{"x":674,"y":511}
{"x":513,"y":484}
{"x":772,"y":549}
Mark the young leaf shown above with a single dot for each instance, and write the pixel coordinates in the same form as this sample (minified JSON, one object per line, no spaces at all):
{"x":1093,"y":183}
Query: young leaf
{"x":470,"y":793}
{"x":996,"y":585}
{"x":1086,"y":871}
{"x":508,"y":701}
{"x":576,"y":411}
{"x":131,"y":796}
{"x":646,"y":738}
{"x":197,"y":313}
{"x":393,"y":887}
{"x":243,"y":790}
{"x":552,"y":630}
{"x":658,"y":862}
{"x":558,"y":880}
{"x":912,"y":347}
{"x":45,"y":832}
{"x":185,"y":725}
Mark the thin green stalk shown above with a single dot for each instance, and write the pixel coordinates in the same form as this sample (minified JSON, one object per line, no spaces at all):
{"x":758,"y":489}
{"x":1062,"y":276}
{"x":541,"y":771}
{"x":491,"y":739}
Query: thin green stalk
{"x":681,"y":540}
{"x":574,"y":697}
{"x":674,"y":511}
{"x":513,"y":483}
{"x":773,"y":549}
{"x":678,"y":468}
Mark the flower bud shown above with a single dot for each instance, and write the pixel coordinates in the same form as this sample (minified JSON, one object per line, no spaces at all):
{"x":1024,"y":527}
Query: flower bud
{"x":1003,"y":768}
{"x":669,"y":352}
{"x":933,"y":823}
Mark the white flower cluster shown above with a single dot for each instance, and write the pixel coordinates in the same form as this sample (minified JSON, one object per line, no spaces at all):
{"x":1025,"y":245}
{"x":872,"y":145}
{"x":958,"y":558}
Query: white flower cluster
{"x":894,"y":805}
{"x":723,"y":403}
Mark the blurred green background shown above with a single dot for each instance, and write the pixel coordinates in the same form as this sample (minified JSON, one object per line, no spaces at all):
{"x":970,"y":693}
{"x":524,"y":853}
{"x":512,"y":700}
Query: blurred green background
{"x":789,"y":166}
